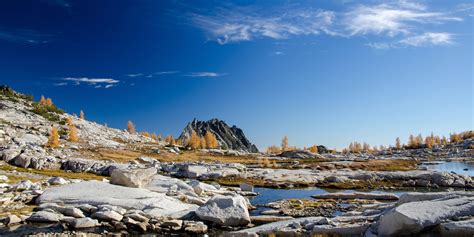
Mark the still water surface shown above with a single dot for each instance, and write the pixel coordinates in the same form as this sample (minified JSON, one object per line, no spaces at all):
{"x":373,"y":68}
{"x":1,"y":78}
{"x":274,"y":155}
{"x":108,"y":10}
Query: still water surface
{"x":459,"y":167}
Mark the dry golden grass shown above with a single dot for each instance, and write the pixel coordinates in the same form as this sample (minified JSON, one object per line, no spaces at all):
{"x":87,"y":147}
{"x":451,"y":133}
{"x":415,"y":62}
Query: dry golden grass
{"x":18,"y":212}
{"x":13,"y":179}
{"x":385,"y":165}
{"x":116,"y":155}
{"x":361,"y":184}
{"x":372,"y":165}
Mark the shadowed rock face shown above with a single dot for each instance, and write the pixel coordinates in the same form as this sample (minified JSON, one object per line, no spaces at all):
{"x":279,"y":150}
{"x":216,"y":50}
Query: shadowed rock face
{"x":232,"y":138}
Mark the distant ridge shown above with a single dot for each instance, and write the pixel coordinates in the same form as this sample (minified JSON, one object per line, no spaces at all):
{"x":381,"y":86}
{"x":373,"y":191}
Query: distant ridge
{"x":232,"y":138}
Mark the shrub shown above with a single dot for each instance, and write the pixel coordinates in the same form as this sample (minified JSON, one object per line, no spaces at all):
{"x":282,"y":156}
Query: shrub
{"x":12,"y":95}
{"x":48,"y":112}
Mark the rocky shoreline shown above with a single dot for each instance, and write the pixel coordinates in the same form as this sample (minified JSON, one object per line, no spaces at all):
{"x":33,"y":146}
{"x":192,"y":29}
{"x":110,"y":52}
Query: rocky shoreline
{"x":139,"y":200}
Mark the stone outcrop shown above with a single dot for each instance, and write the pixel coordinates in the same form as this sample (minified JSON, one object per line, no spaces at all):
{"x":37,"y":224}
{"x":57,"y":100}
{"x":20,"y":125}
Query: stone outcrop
{"x":225,"y":211}
{"x":299,"y":154}
{"x":463,"y":228}
{"x":100,"y":193}
{"x":414,"y":217}
{"x":231,"y":138}
{"x":136,"y":178}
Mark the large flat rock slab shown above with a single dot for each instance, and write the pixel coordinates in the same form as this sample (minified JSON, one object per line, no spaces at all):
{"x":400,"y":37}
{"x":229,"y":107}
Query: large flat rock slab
{"x":275,"y":227}
{"x":416,"y":196}
{"x":414,"y":217}
{"x":101,"y":193}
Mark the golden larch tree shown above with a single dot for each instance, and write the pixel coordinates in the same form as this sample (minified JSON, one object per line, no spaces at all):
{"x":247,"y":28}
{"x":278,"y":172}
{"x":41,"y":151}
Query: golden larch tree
{"x":411,"y":141}
{"x":455,"y":138}
{"x":72,"y":136}
{"x":211,"y":140}
{"x":195,"y":141}
{"x":169,"y":140}
{"x":366,"y":147}
{"x":49,"y":102}
{"x":429,"y":141}
{"x":131,"y":127}
{"x":69,"y":121}
{"x":444,"y":140}
{"x":398,"y":144}
{"x":273,"y":149}
{"x":202,"y":143}
{"x":419,"y":140}
{"x":313,"y":149}
{"x":42,"y":100}
{"x":284,"y":143}
{"x":53,"y":140}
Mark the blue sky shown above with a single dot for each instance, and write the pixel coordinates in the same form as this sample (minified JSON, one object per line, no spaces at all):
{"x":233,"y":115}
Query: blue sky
{"x":321,"y":72}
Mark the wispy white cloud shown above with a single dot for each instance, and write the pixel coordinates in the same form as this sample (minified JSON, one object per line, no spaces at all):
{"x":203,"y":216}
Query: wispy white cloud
{"x":135,"y":75}
{"x":391,"y":19}
{"x":465,"y":7}
{"x":425,"y":39}
{"x":60,"y":84}
{"x":400,"y":22}
{"x":165,"y":72}
{"x":206,"y":74}
{"x":245,"y":24}
{"x":96,"y":82}
{"x":278,"y":53}
{"x":429,"y":38}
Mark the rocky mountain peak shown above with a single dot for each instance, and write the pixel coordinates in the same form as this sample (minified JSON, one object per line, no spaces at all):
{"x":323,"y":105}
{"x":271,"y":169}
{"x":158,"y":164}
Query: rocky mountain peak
{"x":229,"y":137}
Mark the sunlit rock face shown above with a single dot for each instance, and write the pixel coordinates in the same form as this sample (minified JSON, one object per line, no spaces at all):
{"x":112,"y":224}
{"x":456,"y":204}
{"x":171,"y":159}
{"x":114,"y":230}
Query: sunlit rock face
{"x":231,"y":138}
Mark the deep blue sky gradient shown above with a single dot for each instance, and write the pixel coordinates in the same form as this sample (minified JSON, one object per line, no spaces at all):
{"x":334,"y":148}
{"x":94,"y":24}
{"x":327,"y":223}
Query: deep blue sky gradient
{"x":317,"y":89}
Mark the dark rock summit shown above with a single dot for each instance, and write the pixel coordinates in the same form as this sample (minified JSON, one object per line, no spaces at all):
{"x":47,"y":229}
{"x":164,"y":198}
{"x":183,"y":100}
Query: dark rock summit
{"x":232,"y":138}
